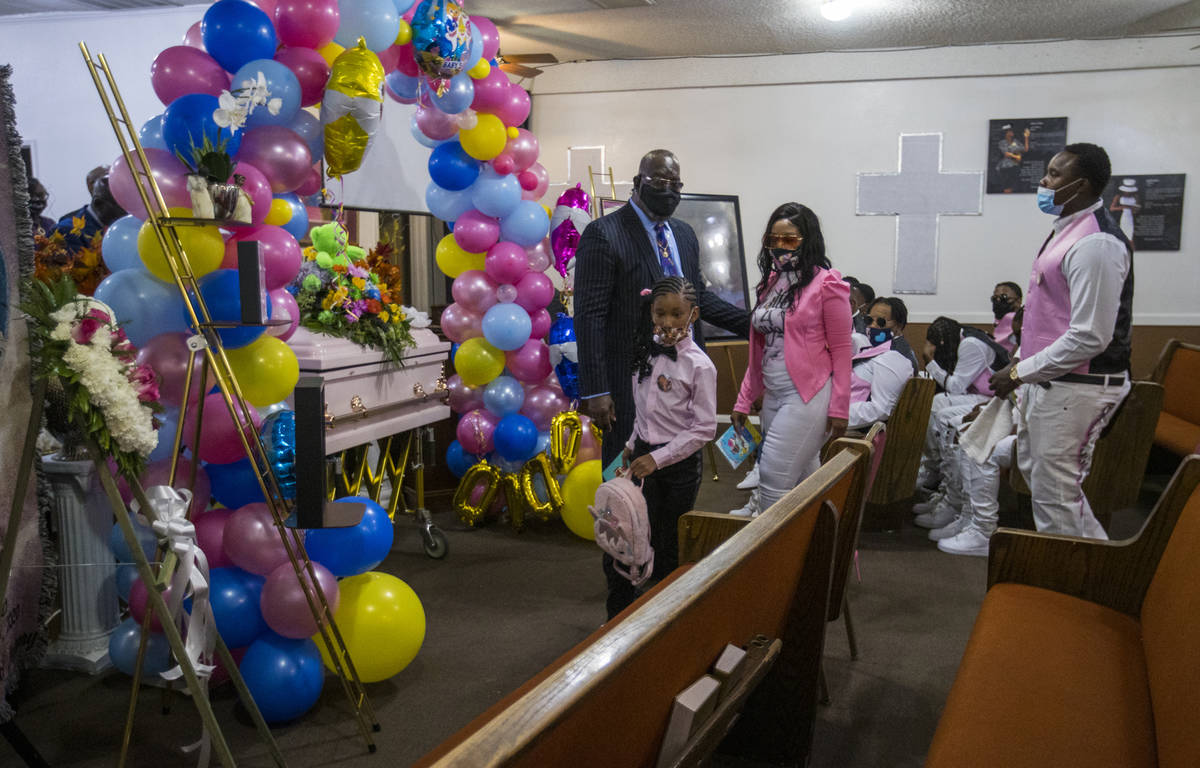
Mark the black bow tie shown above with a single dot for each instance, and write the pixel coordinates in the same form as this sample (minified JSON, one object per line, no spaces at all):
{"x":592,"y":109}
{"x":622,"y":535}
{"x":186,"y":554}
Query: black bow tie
{"x":659,"y":349}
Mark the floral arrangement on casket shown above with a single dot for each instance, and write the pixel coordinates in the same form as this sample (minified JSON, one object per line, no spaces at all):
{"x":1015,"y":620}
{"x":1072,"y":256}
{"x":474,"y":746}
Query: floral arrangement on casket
{"x":53,"y":258}
{"x":339,"y":294}
{"x":95,"y":386}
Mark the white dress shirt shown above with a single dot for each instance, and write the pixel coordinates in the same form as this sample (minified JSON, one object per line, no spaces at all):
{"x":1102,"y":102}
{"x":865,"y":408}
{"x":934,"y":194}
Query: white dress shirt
{"x":888,"y":373}
{"x":974,"y":355}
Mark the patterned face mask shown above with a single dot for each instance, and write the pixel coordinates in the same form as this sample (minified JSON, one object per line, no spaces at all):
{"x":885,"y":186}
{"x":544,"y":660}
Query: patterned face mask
{"x":669,"y":337}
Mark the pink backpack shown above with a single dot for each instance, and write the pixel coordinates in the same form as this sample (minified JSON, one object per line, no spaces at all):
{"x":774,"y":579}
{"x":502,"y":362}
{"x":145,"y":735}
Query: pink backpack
{"x":623,"y":528}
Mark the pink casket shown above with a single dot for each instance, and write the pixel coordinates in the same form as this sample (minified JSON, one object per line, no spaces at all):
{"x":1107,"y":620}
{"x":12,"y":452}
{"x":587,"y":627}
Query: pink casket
{"x":366,"y":396}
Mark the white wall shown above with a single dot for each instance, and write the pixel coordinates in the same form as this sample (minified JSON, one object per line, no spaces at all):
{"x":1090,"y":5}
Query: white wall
{"x":772,"y":129}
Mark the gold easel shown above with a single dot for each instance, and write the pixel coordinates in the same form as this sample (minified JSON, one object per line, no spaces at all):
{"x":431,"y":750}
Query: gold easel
{"x":164,"y":227}
{"x":612,"y":189}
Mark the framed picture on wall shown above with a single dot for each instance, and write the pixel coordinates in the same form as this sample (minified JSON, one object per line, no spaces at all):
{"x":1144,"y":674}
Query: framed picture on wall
{"x":717,"y":221}
{"x":1149,"y":208}
{"x":1019,"y":149}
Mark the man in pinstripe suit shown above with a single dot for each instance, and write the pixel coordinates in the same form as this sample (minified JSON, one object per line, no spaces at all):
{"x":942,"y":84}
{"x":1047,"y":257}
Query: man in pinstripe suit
{"x":619,"y":255}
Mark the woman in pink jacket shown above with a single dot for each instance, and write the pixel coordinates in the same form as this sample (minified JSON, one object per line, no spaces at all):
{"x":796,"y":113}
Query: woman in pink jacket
{"x":800,"y":352}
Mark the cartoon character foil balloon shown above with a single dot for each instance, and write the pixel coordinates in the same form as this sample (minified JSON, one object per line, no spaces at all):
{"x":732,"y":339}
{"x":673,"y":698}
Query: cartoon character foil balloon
{"x":566,"y":225}
{"x":441,"y":41}
{"x":351,"y":108}
{"x":564,"y":355}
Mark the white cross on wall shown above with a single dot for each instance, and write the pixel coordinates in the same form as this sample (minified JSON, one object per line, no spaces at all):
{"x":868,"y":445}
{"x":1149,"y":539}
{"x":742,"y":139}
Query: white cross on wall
{"x":918,"y":195}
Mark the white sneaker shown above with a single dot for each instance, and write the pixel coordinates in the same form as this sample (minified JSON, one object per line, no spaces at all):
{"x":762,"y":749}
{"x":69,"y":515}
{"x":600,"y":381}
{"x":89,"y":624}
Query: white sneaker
{"x":940,"y":516}
{"x":969,"y":541}
{"x":750,"y":481}
{"x":751,"y":508}
{"x":929,"y":504}
{"x":950,"y":529}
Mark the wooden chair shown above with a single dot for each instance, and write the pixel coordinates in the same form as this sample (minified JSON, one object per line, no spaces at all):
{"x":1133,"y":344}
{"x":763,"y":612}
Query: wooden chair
{"x":896,"y":480}
{"x":608,"y":700}
{"x":1178,"y":371}
{"x":1118,"y":459}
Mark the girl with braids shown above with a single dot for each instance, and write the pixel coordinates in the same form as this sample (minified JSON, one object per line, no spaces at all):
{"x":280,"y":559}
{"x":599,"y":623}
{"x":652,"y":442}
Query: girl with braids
{"x":675,"y":399}
{"x":800,"y":352}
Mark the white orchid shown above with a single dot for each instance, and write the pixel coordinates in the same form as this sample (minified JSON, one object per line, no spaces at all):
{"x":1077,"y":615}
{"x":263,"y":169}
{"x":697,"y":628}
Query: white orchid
{"x":234,"y":107}
{"x":231,"y":113}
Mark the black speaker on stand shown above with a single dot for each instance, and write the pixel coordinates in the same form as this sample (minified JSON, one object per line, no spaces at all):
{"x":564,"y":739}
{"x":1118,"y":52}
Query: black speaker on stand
{"x":313,"y":509}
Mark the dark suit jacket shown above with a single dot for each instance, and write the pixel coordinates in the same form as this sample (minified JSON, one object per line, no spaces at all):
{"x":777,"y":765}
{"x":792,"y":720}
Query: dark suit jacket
{"x":613,"y":264}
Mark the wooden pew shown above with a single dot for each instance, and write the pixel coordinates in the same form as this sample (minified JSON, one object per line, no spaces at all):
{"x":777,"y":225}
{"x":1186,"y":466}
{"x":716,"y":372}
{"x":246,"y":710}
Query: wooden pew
{"x":896,"y":480}
{"x":1178,"y":370}
{"x":607,"y":701}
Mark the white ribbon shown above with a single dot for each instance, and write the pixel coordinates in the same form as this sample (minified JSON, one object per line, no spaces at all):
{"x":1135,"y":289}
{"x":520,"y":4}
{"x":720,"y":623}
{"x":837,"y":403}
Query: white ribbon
{"x":168,"y":518}
{"x":569,"y":350}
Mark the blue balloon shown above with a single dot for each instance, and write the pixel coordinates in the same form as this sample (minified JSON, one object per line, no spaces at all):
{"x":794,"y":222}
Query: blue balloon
{"x":375,"y":21}
{"x":234,"y":596}
{"x":188,"y":123}
{"x":126,"y":574}
{"x":308,"y":127}
{"x":279,"y":439}
{"x":284,"y":676}
{"x":421,"y":138}
{"x":507,"y":326}
{"x":144,"y":305}
{"x":235,"y":32}
{"x":475,"y":51}
{"x":504,"y":395}
{"x":354,"y":550}
{"x":526,"y":225}
{"x":562,"y":332}
{"x":151,"y":137}
{"x":458,"y":96}
{"x":402,"y":87}
{"x":543,"y":442}
{"x":168,"y":424}
{"x":120,"y":244}
{"x":222,"y":295}
{"x":447,"y":205}
{"x":516,"y":438}
{"x":282,"y":84}
{"x":297,"y":226}
{"x":123,"y":646}
{"x":495,"y":194}
{"x":145,"y":536}
{"x":234,"y":485}
{"x":504,"y":465}
{"x":458,"y":461}
{"x":452,"y":168}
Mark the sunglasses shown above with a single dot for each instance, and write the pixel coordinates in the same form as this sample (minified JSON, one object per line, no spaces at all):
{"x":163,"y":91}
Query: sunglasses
{"x":881,"y":322}
{"x":790,"y":242}
{"x":660,"y":183}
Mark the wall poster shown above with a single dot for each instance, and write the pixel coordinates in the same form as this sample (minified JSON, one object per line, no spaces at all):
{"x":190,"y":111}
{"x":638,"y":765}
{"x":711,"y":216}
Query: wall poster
{"x":1149,"y":208}
{"x":1019,"y":149}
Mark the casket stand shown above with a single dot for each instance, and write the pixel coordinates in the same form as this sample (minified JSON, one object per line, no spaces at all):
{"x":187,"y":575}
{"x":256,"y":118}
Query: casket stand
{"x":376,"y":414}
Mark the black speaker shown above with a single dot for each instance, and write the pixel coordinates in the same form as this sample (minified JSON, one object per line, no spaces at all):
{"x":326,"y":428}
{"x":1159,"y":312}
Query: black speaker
{"x":252,"y":283}
{"x":313,"y":510}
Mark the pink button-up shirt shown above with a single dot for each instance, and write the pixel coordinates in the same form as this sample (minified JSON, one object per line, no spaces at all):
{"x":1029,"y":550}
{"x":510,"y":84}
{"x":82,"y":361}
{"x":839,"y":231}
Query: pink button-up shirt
{"x":676,"y":404}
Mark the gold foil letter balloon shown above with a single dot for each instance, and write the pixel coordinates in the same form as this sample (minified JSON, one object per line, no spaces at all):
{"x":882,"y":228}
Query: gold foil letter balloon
{"x":352,"y":107}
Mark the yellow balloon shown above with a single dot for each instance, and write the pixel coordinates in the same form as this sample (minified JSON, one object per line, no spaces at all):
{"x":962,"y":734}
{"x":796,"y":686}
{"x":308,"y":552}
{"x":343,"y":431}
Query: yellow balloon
{"x":351,"y":109}
{"x":578,"y":493}
{"x":404,"y":36}
{"x":330,"y":51}
{"x":482,"y":69}
{"x":280,"y":213}
{"x":477,"y":362}
{"x":453,"y":260}
{"x":266,"y":370}
{"x":486,"y":140}
{"x":382,"y":623}
{"x":512,"y":132}
{"x":203,"y":248}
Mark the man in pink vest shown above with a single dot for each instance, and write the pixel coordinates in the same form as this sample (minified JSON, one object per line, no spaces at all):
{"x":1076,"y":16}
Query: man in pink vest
{"x":1073,"y":363}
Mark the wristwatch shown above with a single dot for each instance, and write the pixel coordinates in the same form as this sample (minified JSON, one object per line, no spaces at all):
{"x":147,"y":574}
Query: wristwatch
{"x":1012,"y":374}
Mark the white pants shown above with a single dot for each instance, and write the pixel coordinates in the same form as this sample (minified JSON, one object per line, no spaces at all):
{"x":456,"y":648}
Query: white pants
{"x":795,"y":432}
{"x":981,"y":482}
{"x":1056,"y":432}
{"x":945,"y":426}
{"x":944,"y":412}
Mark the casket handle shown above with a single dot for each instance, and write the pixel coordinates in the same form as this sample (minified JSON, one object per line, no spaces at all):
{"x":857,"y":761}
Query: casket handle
{"x":357,"y":406}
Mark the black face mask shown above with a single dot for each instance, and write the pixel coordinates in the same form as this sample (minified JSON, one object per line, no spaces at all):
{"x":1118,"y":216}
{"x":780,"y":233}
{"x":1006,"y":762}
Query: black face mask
{"x":660,"y":202}
{"x":880,"y":336}
{"x":1001,"y":306}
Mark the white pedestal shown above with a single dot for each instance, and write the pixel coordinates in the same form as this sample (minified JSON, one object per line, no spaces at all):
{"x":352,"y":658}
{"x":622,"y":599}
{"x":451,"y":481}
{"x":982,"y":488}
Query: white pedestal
{"x":87,"y":572}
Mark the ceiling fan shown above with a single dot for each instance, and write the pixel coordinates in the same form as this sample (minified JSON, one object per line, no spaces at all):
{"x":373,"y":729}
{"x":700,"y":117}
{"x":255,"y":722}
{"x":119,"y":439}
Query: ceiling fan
{"x":516,"y":64}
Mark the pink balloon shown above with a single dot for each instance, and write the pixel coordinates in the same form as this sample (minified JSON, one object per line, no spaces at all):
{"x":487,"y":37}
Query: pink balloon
{"x":460,"y":324}
{"x":406,"y":62}
{"x":476,"y":232}
{"x":167,"y":354}
{"x":474,"y":291}
{"x":506,"y":293}
{"x":462,"y":397}
{"x":523,"y":149}
{"x":194,"y":37}
{"x":436,"y":124}
{"x":541,"y":324}
{"x":542,"y":404}
{"x":389,"y":58}
{"x":541,"y":182}
{"x":513,"y":109}
{"x":278,"y":249}
{"x":475,"y":431}
{"x":284,"y":605}
{"x":489,"y":36}
{"x":139,"y":595}
{"x":312,"y":183}
{"x":491,"y":91}
{"x":256,"y":186}
{"x":534,"y":292}
{"x":530,"y":363}
{"x":504,"y":164}
{"x":252,"y":541}
{"x":539,"y":256}
{"x":181,"y":70}
{"x":310,"y":68}
{"x":210,"y":535}
{"x":283,"y":307}
{"x":169,"y":174}
{"x":219,"y":443}
{"x":589,"y":446}
{"x":506,"y":262}
{"x":306,"y":23}
{"x":280,"y":154}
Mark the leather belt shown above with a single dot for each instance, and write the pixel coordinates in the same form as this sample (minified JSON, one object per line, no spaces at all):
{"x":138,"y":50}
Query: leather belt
{"x":1104,"y":380}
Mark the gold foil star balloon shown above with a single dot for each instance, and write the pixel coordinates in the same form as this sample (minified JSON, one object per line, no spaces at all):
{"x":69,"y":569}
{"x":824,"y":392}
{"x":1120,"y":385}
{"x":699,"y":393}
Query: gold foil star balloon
{"x":352,"y":107}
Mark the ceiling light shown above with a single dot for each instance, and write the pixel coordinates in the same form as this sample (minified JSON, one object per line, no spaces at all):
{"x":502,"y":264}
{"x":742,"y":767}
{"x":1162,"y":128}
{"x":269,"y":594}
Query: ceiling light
{"x":837,"y":10}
